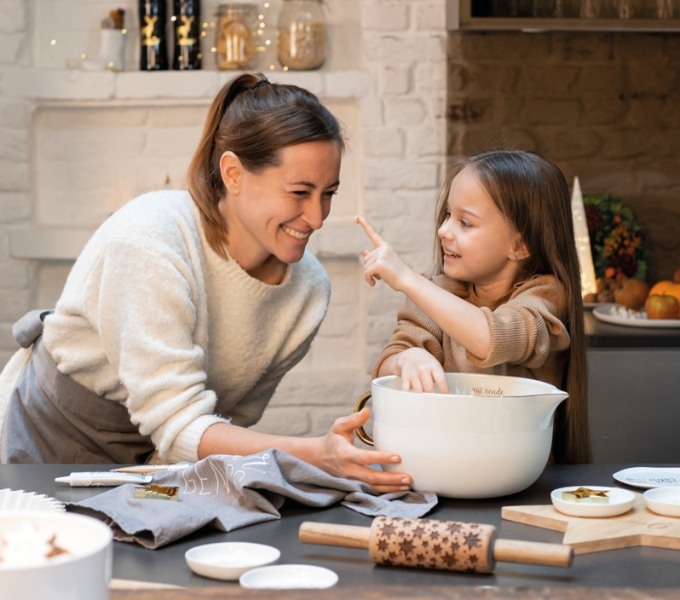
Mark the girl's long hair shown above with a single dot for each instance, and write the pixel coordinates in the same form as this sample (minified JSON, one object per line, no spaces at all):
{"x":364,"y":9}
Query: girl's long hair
{"x":255,"y":119}
{"x":533,"y":195}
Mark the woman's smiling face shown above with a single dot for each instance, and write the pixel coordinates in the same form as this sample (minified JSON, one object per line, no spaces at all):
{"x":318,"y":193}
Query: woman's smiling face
{"x":273,"y":213}
{"x":478,"y":243}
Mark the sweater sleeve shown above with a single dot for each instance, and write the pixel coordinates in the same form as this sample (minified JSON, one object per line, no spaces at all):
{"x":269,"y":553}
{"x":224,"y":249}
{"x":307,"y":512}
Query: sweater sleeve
{"x":142,"y":298}
{"x":525,"y":330}
{"x":529,"y":327}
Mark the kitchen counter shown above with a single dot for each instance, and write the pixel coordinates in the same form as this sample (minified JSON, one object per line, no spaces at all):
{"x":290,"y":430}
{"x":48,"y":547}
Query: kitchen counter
{"x":607,"y":335}
{"x":634,"y":378}
{"x":630,"y":572}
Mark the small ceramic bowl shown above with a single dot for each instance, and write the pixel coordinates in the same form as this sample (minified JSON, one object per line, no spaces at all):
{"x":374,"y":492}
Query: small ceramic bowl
{"x":663,"y":501}
{"x":619,"y":502}
{"x":229,"y":560}
{"x":289,"y":577}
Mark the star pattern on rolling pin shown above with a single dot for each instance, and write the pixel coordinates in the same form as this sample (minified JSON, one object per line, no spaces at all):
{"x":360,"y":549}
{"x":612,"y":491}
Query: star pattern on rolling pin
{"x":431,"y":544}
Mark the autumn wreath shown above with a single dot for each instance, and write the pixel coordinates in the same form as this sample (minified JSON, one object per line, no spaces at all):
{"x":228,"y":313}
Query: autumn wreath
{"x":616,"y":238}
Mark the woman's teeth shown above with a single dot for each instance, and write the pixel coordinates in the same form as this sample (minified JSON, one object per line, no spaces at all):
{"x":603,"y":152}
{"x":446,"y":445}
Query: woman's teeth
{"x":296,"y":234}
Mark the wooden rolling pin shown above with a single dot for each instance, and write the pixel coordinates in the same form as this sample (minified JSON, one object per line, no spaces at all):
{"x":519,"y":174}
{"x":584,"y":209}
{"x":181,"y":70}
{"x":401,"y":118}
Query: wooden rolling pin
{"x":431,"y":544}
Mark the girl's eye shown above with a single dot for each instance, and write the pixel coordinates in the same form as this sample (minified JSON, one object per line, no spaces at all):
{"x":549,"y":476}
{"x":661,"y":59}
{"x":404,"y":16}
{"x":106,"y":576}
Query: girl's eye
{"x":465,"y":223}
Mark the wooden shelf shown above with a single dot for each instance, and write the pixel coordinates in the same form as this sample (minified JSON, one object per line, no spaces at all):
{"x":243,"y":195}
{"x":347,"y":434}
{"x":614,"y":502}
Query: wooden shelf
{"x":459,"y":17}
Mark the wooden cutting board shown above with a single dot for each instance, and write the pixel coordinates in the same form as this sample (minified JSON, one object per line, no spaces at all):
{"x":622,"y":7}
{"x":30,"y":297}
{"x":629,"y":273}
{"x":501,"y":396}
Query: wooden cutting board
{"x":637,"y":527}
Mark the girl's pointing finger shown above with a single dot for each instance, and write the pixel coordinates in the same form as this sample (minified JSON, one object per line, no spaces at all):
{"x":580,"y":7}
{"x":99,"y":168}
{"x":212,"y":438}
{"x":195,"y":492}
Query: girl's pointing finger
{"x":370,"y":232}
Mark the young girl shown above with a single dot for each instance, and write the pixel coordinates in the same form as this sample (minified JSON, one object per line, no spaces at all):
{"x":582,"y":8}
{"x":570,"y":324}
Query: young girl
{"x":505,"y":297}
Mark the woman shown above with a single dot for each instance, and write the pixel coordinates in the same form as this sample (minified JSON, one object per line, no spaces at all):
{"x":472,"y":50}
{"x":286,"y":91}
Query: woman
{"x":185,"y":310}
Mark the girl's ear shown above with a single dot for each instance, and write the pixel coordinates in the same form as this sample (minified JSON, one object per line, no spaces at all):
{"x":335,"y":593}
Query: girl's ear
{"x":519,"y":249}
{"x":231,"y":171}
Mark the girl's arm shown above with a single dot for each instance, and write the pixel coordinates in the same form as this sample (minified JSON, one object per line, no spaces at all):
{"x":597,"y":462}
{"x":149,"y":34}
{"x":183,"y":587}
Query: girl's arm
{"x":461,"y":320}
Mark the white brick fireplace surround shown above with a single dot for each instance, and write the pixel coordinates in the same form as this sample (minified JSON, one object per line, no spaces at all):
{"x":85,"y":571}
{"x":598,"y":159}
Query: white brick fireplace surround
{"x":75,"y":145}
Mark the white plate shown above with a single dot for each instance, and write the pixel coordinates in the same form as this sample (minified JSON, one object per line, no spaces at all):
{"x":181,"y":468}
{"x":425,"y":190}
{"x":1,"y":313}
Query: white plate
{"x":664,"y":501}
{"x":612,"y":313}
{"x":289,"y":577}
{"x":15,"y":500}
{"x":649,"y":477}
{"x":620,"y":501}
{"x":229,"y":560}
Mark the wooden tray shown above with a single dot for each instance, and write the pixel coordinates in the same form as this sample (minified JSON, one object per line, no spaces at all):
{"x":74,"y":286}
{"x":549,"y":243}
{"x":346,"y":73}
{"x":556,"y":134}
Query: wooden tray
{"x":637,"y":527}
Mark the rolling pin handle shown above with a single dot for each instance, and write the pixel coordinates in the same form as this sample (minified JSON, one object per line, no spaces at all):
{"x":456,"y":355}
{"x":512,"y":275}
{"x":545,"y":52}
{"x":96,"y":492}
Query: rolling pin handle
{"x":329,"y":534}
{"x":533,"y":553}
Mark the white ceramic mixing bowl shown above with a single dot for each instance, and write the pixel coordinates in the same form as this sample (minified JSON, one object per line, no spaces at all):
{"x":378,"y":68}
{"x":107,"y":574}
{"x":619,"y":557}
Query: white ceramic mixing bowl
{"x":81,"y":572}
{"x":490,"y":436}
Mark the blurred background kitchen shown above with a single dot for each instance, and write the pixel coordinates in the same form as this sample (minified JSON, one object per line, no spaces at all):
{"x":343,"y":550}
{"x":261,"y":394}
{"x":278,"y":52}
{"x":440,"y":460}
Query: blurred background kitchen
{"x":413,"y":81}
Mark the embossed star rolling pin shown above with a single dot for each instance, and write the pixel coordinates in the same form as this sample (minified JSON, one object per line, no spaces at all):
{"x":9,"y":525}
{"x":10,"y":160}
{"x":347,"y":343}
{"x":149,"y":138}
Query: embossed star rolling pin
{"x":431,"y":544}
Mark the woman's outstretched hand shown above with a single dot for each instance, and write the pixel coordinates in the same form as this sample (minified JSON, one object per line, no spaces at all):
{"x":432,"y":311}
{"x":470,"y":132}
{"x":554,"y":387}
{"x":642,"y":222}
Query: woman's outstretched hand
{"x":382,"y":262}
{"x":340,"y":457}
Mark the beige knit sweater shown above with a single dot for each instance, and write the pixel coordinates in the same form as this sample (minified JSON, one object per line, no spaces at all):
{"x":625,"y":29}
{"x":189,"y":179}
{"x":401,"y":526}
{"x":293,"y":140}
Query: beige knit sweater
{"x":152,"y":317}
{"x":528,"y":335}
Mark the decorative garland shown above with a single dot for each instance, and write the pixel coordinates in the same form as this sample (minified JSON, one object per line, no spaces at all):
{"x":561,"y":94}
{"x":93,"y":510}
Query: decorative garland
{"x":616,"y":238}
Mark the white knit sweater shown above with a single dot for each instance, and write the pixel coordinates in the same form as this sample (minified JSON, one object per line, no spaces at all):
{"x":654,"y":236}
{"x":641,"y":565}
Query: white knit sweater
{"x":152,"y":317}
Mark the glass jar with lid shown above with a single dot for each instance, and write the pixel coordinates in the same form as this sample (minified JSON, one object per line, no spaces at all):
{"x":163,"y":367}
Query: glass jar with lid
{"x":302,"y":37}
{"x":236,"y":45}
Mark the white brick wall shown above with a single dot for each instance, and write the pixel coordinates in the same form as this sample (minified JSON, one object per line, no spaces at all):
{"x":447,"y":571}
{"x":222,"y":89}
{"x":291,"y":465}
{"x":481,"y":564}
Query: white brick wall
{"x":74,"y":146}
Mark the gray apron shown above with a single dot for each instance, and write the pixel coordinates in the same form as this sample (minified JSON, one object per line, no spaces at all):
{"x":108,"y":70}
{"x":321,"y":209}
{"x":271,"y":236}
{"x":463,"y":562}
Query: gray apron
{"x":51,"y":418}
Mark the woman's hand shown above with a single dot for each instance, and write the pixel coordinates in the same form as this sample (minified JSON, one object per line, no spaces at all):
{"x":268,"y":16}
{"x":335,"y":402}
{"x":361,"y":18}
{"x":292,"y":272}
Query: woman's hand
{"x":382,"y":262}
{"x":340,"y":457}
{"x":418,"y":369}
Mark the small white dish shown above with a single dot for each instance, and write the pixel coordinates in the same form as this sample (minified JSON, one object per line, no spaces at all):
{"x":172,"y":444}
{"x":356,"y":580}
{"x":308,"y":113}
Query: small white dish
{"x":663,"y":501}
{"x":229,"y":560}
{"x":649,"y":477}
{"x":289,"y":577}
{"x":620,"y":501}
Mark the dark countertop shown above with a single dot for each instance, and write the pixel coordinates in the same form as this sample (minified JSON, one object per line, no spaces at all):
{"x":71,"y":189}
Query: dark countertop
{"x":634,"y":572}
{"x":607,"y":335}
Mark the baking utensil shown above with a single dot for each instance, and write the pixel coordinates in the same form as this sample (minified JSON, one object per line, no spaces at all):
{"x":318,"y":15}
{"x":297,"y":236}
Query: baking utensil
{"x":663,"y":501}
{"x":507,"y":420}
{"x":48,"y":554}
{"x":618,"y":501}
{"x":289,"y":577}
{"x":229,"y":560}
{"x":649,"y":477}
{"x":638,"y":527}
{"x":432,"y":544}
{"x":19,"y":500}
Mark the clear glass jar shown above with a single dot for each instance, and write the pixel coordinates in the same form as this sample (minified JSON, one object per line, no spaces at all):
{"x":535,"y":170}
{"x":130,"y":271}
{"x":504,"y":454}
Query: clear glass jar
{"x":302,"y":37}
{"x":235,"y":37}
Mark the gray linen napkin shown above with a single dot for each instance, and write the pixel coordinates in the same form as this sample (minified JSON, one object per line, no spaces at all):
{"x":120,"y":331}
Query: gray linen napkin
{"x":228,"y":492}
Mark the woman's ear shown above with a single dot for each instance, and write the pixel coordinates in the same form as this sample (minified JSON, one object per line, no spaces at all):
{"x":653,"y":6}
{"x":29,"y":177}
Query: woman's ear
{"x":231,"y":171}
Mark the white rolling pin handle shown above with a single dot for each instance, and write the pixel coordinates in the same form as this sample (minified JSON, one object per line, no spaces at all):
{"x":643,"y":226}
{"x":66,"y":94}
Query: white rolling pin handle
{"x":330,"y":534}
{"x":533,"y":553}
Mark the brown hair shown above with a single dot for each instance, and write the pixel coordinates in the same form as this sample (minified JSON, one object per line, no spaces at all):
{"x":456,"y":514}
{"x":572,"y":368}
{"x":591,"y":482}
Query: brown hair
{"x":532,"y":193}
{"x":255,"y":119}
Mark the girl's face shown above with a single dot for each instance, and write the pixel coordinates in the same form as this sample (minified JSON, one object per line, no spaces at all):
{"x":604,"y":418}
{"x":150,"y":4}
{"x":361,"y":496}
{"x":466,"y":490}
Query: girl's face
{"x":479,"y":245}
{"x":274,"y":212}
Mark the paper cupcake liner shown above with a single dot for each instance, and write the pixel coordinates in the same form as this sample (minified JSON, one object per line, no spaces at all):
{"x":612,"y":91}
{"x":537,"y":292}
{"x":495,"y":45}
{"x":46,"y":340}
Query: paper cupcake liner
{"x":19,"y":500}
